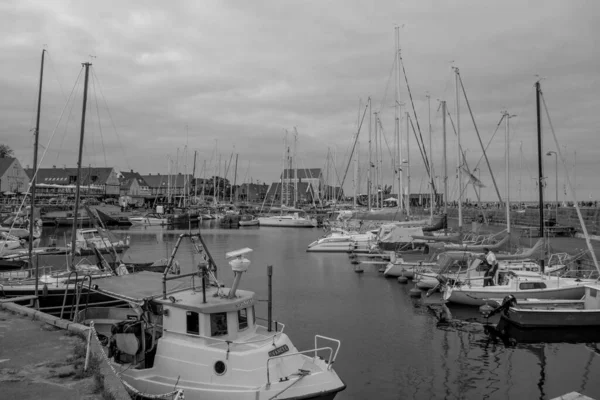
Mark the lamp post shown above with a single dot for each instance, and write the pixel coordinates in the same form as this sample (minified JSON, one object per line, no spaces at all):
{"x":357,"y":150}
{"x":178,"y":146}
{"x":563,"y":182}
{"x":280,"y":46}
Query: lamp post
{"x":556,"y":181}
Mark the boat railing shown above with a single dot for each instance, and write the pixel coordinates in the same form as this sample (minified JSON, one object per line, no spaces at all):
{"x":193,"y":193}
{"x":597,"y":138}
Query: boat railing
{"x":25,"y":274}
{"x":315,"y":350}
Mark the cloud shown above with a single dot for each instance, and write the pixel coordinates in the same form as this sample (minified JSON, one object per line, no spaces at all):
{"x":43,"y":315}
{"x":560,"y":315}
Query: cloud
{"x":198,"y":75}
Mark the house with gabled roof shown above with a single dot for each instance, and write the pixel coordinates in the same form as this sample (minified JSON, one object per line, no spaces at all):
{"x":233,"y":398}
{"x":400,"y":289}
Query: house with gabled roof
{"x":13,"y":178}
{"x":305,"y":190}
{"x":132,"y":184}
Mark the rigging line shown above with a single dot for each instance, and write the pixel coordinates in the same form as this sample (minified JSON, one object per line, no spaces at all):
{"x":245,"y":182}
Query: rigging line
{"x":424,"y":155}
{"x":113,"y":124}
{"x":35,"y":173}
{"x":355,"y":141}
{"x":464,"y":160}
{"x":479,"y":138}
{"x":387,"y":86}
{"x":94,"y":79}
{"x":562,"y":159}
{"x":77,"y":82}
{"x":419,"y":144}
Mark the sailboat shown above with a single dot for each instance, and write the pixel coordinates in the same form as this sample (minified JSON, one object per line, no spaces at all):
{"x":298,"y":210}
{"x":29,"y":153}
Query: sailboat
{"x":520,"y":285}
{"x":294,"y":218}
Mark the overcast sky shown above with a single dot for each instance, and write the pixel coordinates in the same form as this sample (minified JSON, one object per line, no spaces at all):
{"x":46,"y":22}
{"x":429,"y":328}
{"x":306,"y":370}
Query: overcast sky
{"x":223,"y":77}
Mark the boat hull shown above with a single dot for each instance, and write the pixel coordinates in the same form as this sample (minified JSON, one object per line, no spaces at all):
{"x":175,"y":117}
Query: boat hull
{"x":541,"y":318}
{"x":287,"y":223}
{"x":478,"y":297}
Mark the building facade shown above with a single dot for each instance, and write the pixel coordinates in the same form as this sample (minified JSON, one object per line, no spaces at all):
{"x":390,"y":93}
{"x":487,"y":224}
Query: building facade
{"x":13,"y":178}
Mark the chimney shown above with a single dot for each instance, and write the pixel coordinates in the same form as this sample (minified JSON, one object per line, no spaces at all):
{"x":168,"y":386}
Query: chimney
{"x":54,"y":166}
{"x":131,"y":171}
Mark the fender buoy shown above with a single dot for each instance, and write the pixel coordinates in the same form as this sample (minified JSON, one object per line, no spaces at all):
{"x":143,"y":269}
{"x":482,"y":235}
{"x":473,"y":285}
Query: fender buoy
{"x":415,"y":292}
{"x":402,"y":279}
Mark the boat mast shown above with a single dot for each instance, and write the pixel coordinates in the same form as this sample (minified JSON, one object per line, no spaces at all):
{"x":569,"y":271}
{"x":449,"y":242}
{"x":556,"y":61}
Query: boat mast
{"x":445,"y":158}
{"x":235,"y":177}
{"x":370,"y":176}
{"x":283,"y":173}
{"x":34,"y":176}
{"x":507,"y":165}
{"x":78,"y":183}
{"x":431,"y":176}
{"x":295,"y":160}
{"x":398,"y":164}
{"x":459,"y":160}
{"x":194,"y":177}
{"x":407,"y":166}
{"x":377,"y":184}
{"x":538,"y":91}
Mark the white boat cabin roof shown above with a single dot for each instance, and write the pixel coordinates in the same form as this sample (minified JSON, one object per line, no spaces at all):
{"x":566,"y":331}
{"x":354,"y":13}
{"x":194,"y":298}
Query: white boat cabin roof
{"x":192,"y":300}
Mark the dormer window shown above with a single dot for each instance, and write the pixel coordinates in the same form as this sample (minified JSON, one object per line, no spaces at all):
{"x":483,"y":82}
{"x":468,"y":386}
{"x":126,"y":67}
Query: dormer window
{"x":242,"y":319}
{"x":218,"y":324}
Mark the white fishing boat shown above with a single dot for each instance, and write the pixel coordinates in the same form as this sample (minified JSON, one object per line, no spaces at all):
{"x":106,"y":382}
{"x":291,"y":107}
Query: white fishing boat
{"x":344,"y":241}
{"x":149,"y":219}
{"x":206,"y":341}
{"x":293,"y":220}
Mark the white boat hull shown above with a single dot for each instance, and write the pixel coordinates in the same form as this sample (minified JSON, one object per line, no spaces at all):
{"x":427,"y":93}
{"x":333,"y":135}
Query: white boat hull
{"x":148,"y":221}
{"x":478,"y":296}
{"x":287,"y":222}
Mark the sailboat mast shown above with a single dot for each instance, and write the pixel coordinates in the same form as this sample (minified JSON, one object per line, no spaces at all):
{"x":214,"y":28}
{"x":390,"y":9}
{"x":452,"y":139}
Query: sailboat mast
{"x":398,"y":164}
{"x":370,"y":179}
{"x":34,"y":176}
{"x":407,"y":167}
{"x":431,"y":176}
{"x":459,"y":159}
{"x":295,"y":159}
{"x":235,"y":177}
{"x":507,"y":165}
{"x":77,"y":182}
{"x":377,"y":184}
{"x":445,"y":158}
{"x":540,"y":163}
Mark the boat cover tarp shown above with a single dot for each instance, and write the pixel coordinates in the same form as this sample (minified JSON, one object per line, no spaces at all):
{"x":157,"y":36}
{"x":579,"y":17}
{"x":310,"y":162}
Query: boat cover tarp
{"x":139,"y":287}
{"x":392,"y":233}
{"x":439,"y":247}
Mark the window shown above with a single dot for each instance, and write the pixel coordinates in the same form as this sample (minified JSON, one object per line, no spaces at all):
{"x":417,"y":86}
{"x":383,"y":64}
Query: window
{"x":253,"y":316}
{"x":193,"y":323}
{"x":532,"y":285}
{"x":593,"y":292}
{"x":218,"y":324}
{"x":242,"y":319}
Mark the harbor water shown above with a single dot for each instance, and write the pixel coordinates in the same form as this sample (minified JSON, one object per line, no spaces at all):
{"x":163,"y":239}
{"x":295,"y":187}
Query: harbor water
{"x":392,"y":344}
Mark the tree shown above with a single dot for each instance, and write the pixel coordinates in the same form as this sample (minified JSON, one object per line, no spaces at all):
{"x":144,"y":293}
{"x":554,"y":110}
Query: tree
{"x":5,"y":151}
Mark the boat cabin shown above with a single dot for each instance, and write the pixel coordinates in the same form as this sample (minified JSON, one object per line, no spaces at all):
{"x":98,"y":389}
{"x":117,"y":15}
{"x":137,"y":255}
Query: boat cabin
{"x":219,"y":317}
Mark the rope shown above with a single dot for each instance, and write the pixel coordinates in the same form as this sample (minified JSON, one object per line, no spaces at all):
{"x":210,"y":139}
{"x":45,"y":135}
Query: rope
{"x":302,"y":373}
{"x":174,"y":395}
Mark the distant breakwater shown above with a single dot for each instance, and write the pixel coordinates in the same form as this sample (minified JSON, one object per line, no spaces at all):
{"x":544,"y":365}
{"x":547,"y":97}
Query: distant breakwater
{"x":565,"y":216}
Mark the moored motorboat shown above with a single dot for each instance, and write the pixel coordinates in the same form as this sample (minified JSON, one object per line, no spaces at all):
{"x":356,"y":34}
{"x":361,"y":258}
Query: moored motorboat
{"x":539,"y":313}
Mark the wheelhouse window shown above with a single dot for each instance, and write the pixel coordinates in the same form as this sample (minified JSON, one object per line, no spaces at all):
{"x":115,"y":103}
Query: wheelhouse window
{"x":242,"y":319}
{"x":192,"y":322}
{"x":218,"y":324}
{"x":253,"y":316}
{"x":532,"y":285}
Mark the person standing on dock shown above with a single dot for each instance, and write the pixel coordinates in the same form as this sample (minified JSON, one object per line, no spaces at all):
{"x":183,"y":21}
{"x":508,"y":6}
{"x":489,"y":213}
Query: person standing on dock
{"x":490,"y":259}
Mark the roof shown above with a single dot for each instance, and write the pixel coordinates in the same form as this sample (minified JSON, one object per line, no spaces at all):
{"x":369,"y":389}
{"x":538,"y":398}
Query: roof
{"x":138,"y":287}
{"x":5,"y":163}
{"x":303,"y":187}
{"x":61,"y":176}
{"x":127,"y":178}
{"x":158,"y":180}
{"x":304,"y":173}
